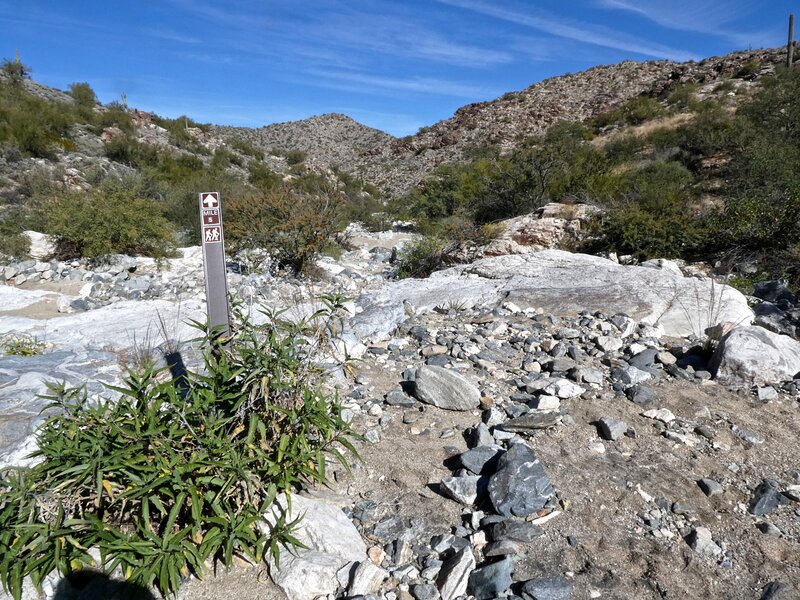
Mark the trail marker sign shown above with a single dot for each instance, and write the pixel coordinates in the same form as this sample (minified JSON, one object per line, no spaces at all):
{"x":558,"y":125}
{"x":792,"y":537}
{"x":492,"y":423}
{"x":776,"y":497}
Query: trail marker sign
{"x":214,"y":263}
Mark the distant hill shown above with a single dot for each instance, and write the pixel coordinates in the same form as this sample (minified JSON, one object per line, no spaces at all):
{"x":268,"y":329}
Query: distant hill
{"x":395,"y":164}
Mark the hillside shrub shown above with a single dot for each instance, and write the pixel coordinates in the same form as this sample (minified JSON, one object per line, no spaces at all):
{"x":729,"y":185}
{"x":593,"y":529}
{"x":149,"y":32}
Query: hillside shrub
{"x":15,"y":71}
{"x":175,"y":474}
{"x":421,"y":257}
{"x":293,"y":226}
{"x":109,"y":220}
{"x":652,"y":219}
{"x":244,"y":147}
{"x":261,"y":176}
{"x":83,"y":94}
{"x":634,"y":111}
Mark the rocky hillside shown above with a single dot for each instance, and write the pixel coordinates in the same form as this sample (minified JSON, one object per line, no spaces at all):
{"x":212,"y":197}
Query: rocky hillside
{"x":328,"y":140}
{"x":397,"y":164}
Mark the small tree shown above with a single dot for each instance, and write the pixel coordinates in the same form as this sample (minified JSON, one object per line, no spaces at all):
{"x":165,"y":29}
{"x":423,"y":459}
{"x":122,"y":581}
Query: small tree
{"x":15,"y":71}
{"x":83,"y":94}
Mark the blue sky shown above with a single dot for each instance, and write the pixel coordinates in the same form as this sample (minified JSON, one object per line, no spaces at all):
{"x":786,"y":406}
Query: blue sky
{"x":395,"y":65}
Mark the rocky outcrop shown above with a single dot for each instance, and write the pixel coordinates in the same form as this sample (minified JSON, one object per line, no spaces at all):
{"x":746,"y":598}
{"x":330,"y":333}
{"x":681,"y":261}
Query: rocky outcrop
{"x":560,"y":283}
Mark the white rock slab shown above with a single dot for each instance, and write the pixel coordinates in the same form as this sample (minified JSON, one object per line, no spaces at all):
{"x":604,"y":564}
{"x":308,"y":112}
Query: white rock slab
{"x":755,"y":356}
{"x":560,"y":283}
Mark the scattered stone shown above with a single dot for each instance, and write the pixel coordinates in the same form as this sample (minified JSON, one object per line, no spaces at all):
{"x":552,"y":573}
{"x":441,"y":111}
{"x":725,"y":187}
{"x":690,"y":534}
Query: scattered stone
{"x":612,"y":429}
{"x":766,"y":498}
{"x":535,"y":419}
{"x":765,"y":394}
{"x":564,"y":388}
{"x":710,"y":487}
{"x":424,"y":591}
{"x":482,"y":460}
{"x":398,"y":397}
{"x":768,"y":529}
{"x":461,"y":489}
{"x":520,"y":486}
{"x":445,"y":389}
{"x":491,"y":580}
{"x":366,"y":579}
{"x":551,"y":588}
{"x":517,"y":531}
{"x":776,"y":590}
{"x":641,"y":394}
{"x":747,"y":435}
{"x":662,"y":414}
{"x":753,"y":355}
{"x":701,"y":541}
{"x":454,"y":575}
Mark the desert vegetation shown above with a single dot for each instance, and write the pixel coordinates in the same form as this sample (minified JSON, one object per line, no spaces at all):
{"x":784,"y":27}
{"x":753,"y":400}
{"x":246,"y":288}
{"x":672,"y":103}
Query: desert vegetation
{"x":176,"y":475}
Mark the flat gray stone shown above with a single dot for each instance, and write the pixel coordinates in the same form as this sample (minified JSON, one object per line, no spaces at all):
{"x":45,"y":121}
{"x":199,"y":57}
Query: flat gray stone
{"x":531,"y":421}
{"x":445,"y":388}
{"x":551,"y":588}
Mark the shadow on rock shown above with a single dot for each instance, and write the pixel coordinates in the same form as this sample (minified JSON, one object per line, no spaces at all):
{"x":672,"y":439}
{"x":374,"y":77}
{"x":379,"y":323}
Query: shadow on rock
{"x":94,"y":585}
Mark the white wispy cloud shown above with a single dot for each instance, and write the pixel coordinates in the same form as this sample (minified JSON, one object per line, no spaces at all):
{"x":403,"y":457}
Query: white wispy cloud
{"x":580,"y":32}
{"x":173,"y":36}
{"x":710,"y":17}
{"x":372,"y":84}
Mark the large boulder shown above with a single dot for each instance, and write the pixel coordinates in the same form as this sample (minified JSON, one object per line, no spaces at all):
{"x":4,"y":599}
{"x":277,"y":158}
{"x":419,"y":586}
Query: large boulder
{"x":560,"y":283}
{"x":754,"y":356}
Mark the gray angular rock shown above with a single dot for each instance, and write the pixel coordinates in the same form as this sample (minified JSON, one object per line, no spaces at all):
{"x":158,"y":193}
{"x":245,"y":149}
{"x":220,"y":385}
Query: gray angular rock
{"x":641,"y":394}
{"x":520,"y":486}
{"x":551,"y":588}
{"x":366,"y":578}
{"x":766,"y":498}
{"x":491,"y":580}
{"x":331,"y":541}
{"x":517,"y":531}
{"x":754,"y":356}
{"x":398,"y":397}
{"x":445,"y":388}
{"x":454,"y":575}
{"x":424,"y":591}
{"x":612,"y":429}
{"x":701,"y":541}
{"x":710,"y":487}
{"x":461,"y":489}
{"x":481,"y":460}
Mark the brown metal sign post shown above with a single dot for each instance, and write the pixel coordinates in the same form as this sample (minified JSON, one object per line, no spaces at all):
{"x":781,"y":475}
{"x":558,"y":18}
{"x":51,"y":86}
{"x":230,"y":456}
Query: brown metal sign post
{"x":219,"y":319}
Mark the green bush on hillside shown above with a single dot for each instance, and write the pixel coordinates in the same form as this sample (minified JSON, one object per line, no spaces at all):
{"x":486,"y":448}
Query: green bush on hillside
{"x":109,"y":220}
{"x":176,"y":474}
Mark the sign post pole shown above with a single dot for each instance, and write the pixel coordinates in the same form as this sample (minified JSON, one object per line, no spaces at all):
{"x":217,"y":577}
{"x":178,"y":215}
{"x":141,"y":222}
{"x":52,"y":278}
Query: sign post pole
{"x":219,"y":319}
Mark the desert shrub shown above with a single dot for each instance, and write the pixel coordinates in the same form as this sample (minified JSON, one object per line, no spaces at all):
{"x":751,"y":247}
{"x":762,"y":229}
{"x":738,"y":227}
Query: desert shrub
{"x":295,"y":157}
{"x":83,"y":94}
{"x":15,"y":71}
{"x":176,"y":474}
{"x":748,"y":69}
{"x":114,"y":114}
{"x":261,"y":176}
{"x":291,"y":225}
{"x":179,"y":134}
{"x":246,"y":148}
{"x":13,"y":242}
{"x":421,"y":257}
{"x":682,"y":95}
{"x":652,"y":218}
{"x":634,"y":111}
{"x":32,"y":125}
{"x":109,"y":220}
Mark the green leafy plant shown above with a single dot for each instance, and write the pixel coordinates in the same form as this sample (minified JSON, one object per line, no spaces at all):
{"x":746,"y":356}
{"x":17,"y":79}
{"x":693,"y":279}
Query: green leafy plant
{"x":421,"y":257}
{"x":112,"y":219}
{"x":20,"y":344}
{"x":175,"y":475}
